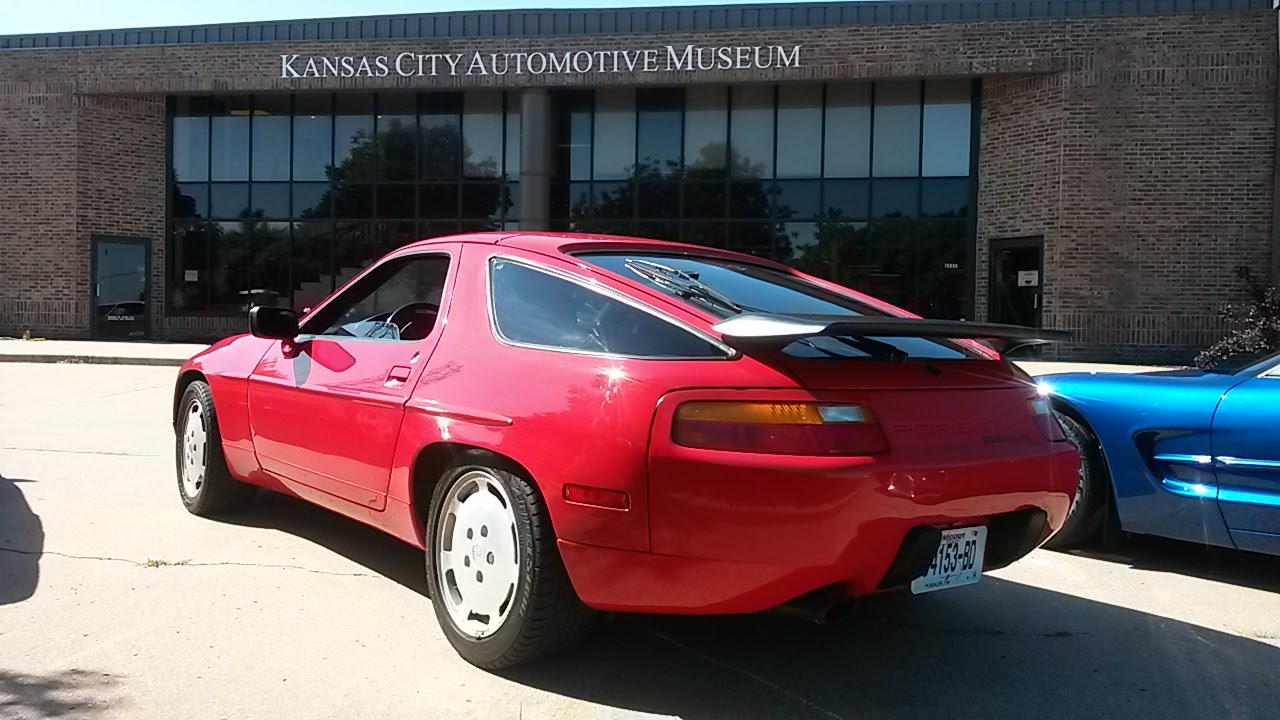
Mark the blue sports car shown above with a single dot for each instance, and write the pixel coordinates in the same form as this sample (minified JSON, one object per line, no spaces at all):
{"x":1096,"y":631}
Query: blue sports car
{"x":1186,"y":454}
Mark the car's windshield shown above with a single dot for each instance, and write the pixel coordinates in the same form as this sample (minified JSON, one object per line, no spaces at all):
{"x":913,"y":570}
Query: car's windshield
{"x":726,"y":288}
{"x":1254,"y":363}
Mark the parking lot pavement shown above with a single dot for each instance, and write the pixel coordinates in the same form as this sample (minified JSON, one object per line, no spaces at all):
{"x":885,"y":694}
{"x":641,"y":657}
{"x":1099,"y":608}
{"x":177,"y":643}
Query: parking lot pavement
{"x":115,"y":603}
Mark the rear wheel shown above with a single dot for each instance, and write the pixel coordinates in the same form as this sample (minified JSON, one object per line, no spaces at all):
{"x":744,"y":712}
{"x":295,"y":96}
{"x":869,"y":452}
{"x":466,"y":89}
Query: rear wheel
{"x":1089,"y":508}
{"x":498,"y":586}
{"x":205,"y":484}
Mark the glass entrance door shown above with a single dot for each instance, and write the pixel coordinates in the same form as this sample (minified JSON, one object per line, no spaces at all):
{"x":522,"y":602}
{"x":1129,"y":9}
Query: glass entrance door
{"x":1016,"y":278}
{"x":121,"y":288}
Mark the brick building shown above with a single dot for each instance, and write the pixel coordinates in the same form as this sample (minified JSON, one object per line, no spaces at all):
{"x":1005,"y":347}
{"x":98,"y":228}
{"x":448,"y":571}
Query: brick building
{"x":1094,"y":165}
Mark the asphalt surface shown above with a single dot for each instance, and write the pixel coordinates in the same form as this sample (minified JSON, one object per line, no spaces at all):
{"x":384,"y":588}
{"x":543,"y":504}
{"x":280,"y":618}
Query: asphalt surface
{"x":115,"y":603}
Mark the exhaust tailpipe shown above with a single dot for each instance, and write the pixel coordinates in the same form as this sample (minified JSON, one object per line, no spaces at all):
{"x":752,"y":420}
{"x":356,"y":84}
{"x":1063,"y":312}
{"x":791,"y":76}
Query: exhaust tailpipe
{"x":824,"y":605}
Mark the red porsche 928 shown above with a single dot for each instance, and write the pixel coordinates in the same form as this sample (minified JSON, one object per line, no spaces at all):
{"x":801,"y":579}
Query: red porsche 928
{"x":570,"y":424}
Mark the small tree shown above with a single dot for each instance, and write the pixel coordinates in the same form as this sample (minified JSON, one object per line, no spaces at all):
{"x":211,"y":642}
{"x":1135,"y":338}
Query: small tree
{"x":1254,"y":324}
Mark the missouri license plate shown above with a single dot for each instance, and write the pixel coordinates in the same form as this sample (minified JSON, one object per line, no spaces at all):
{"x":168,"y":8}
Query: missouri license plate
{"x":957,"y":562}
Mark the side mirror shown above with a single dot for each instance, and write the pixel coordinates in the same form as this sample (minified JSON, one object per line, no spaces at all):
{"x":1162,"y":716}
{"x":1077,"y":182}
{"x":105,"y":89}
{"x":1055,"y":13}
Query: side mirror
{"x":273,"y":322}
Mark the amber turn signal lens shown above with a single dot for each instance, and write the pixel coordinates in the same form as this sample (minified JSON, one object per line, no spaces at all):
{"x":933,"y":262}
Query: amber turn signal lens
{"x":778,"y":428}
{"x":774,"y":413}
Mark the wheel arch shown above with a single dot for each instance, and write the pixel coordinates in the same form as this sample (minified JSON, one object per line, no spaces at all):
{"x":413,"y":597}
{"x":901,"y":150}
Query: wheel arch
{"x":430,"y":463}
{"x":1065,"y":407}
{"x":184,"y":381}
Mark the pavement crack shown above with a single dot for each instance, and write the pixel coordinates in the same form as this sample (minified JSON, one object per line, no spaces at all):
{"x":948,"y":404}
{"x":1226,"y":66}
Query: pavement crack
{"x":747,"y":673}
{"x":281,"y":567}
{"x":37,"y":553}
{"x":154,"y":563}
{"x":79,"y":452}
{"x":85,"y":399}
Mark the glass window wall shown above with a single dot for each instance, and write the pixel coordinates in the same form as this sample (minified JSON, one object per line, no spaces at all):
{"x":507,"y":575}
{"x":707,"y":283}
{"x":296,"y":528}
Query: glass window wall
{"x":868,"y":184}
{"x":278,"y":199}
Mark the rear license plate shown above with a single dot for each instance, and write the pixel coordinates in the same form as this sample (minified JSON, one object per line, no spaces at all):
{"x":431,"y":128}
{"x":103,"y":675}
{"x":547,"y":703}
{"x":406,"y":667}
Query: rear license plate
{"x":957,"y":562}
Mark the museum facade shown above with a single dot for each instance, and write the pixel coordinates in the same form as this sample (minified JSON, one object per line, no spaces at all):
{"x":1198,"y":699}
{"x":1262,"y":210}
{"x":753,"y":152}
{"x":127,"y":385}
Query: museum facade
{"x":1099,"y":166}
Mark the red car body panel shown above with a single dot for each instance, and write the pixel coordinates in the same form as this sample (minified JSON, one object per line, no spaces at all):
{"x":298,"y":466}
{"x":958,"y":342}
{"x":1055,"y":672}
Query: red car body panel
{"x":226,"y":365}
{"x":703,"y":531}
{"x":360,"y":387}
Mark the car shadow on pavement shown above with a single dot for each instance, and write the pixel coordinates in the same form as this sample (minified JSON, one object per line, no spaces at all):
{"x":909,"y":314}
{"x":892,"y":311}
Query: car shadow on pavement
{"x":21,"y":544}
{"x":1236,"y":567}
{"x":374,"y":549}
{"x":70,"y":693}
{"x":997,"y":650}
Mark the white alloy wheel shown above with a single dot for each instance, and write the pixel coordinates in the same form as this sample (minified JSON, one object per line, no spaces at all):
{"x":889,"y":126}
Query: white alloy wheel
{"x":195,"y":449}
{"x":205,"y":483}
{"x":477,"y":554}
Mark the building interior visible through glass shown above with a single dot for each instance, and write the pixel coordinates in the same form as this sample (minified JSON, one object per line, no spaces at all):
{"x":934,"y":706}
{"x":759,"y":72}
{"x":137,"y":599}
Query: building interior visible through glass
{"x":278,"y":199}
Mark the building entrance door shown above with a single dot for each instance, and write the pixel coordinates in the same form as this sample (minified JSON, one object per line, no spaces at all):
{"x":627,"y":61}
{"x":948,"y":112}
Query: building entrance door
{"x":1017,"y":274}
{"x":121,"y":270}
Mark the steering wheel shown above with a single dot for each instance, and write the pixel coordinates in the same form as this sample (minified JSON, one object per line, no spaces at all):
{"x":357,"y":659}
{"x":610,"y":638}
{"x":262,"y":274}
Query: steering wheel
{"x":414,"y":319}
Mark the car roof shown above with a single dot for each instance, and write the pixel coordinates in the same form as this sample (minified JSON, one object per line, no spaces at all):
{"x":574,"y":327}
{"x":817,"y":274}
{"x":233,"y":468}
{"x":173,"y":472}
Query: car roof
{"x":568,"y":243}
{"x":564,"y":243}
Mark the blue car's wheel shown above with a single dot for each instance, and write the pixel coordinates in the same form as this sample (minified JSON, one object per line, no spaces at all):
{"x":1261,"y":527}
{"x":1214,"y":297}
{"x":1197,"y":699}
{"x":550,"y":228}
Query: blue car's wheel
{"x":1084,"y":519}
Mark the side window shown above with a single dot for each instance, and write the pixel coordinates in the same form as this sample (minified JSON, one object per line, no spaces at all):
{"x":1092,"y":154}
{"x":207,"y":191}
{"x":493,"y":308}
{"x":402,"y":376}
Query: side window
{"x":536,"y":308}
{"x":399,"y":301}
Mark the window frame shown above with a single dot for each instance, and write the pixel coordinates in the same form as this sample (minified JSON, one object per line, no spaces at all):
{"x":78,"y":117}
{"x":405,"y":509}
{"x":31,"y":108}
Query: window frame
{"x":725,"y":352}
{"x":445,"y":296}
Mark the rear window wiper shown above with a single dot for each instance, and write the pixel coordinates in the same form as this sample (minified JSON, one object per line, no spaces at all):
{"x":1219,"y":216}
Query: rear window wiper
{"x":875,"y":348}
{"x":682,"y":284}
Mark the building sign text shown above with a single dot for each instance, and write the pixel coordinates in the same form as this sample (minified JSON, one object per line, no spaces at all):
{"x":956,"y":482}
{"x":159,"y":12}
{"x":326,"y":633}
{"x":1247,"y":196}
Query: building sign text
{"x":668,"y":58}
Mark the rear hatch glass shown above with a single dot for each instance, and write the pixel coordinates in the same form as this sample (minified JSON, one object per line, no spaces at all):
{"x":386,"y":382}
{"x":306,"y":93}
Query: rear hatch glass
{"x":726,"y":288}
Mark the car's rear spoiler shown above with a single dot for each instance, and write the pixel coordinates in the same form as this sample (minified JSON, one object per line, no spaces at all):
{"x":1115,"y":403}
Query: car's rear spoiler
{"x":754,"y":330}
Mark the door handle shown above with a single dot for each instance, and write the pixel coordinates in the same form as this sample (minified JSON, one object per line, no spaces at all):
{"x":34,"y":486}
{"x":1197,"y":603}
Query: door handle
{"x":399,"y":375}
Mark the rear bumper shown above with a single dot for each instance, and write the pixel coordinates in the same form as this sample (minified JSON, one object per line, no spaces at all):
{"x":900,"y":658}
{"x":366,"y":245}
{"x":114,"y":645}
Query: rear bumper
{"x":736,"y":538}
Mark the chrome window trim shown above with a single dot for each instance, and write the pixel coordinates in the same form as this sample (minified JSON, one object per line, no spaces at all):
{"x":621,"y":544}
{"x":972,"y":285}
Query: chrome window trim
{"x":341,"y":291}
{"x":601,"y":289}
{"x":1267,"y":367}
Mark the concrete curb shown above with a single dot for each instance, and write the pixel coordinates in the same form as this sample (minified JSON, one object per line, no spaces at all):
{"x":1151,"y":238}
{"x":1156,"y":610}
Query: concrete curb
{"x":91,"y":360}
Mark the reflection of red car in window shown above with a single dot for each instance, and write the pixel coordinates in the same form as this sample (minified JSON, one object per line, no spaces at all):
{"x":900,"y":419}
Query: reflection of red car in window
{"x":126,"y":310}
{"x":573,"y":423}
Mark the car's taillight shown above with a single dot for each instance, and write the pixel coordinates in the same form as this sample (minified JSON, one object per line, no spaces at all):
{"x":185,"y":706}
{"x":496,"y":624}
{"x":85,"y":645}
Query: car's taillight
{"x":779,"y":428}
{"x":1046,"y":419}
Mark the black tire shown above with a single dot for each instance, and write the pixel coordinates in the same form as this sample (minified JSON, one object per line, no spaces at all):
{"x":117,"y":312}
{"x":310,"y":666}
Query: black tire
{"x":1089,"y":508}
{"x":545,"y":613}
{"x":217,"y":491}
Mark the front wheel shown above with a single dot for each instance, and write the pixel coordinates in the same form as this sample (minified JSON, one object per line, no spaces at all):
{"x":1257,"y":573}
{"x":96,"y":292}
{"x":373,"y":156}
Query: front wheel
{"x":498,"y":586}
{"x":1089,"y":507}
{"x":205,"y":484}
